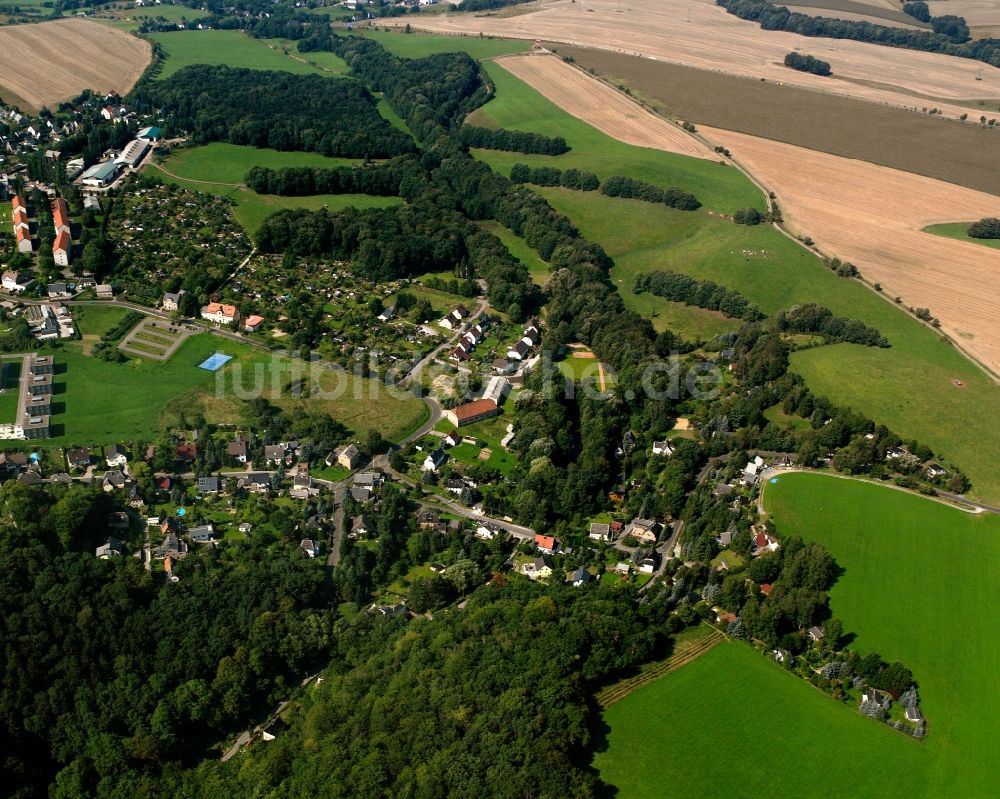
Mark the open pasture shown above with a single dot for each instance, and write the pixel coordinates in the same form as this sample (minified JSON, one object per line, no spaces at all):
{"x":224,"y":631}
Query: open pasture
{"x":700,"y":34}
{"x":917,"y":577}
{"x":732,"y":723}
{"x":600,"y":106}
{"x":874,"y":217}
{"x":46,"y":62}
{"x":518,"y":106}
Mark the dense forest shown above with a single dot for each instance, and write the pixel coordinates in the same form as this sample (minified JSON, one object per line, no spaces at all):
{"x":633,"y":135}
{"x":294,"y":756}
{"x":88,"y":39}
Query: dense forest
{"x":812,"y":318}
{"x":949,"y":35}
{"x":273,"y":109}
{"x":702,"y":293}
{"x":807,"y":63}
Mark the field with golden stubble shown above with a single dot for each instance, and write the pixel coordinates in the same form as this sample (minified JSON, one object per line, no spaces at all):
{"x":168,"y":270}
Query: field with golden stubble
{"x":700,"y":34}
{"x":46,"y":62}
{"x":873,"y":216}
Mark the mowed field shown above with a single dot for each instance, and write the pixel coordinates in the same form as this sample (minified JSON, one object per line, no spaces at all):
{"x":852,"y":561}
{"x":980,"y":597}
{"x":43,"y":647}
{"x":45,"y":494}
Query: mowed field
{"x":874,"y":217}
{"x":732,"y":723}
{"x":517,"y":105}
{"x":46,"y":62}
{"x":983,"y":16}
{"x":959,"y":230}
{"x":235,"y":49}
{"x":919,"y":581}
{"x":700,"y":34}
{"x":600,"y":106}
{"x":938,"y":148}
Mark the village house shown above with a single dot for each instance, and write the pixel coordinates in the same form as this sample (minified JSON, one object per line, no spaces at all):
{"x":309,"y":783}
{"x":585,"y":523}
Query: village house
{"x":580,"y":577}
{"x":115,"y":456}
{"x":220,"y":314}
{"x":110,"y":549}
{"x":172,"y":301}
{"x":237,"y":450}
{"x":16,"y":282}
{"x":600,"y":532}
{"x":536,"y":569}
{"x":663,"y":448}
{"x":208,"y":485}
{"x":816,"y":633}
{"x":349,"y":457}
{"x":487,"y":532}
{"x":546,"y":544}
{"x":643,"y":529}
{"x":454,"y":318}
{"x":202,"y":534}
{"x":253,"y":323}
{"x":258,"y":483}
{"x":310,"y":547}
{"x":277,"y":453}
{"x":434,"y":461}
{"x":78,"y":458}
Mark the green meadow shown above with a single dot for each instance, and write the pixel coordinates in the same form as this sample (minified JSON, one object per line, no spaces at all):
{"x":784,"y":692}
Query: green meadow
{"x":519,"y":248}
{"x":919,"y":583}
{"x":220,"y":162}
{"x":732,"y":723}
{"x":959,"y":230}
{"x":520,"y":107}
{"x":420,"y":45}
{"x":235,"y":49}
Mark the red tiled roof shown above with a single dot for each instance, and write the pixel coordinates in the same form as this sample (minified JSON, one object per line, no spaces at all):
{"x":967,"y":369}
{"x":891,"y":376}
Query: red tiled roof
{"x":62,"y":242}
{"x":545,"y":541}
{"x":60,"y":213}
{"x":472,"y":409}
{"x":16,"y":202}
{"x":766,"y":588}
{"x":23,"y":233}
{"x":761,"y":540}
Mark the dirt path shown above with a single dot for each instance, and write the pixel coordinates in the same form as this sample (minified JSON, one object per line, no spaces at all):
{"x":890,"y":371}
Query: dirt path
{"x":166,"y":171}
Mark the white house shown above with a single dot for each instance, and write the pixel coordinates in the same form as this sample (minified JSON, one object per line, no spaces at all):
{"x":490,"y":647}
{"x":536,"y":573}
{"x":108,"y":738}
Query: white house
{"x":663,"y":448}
{"x":115,"y":457}
{"x":16,"y":282}
{"x":220,"y":314}
{"x":434,"y":461}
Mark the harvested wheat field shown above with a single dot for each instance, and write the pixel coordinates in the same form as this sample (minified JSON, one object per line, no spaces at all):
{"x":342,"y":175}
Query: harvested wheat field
{"x":700,"y":34}
{"x":977,"y":13}
{"x":872,"y":216}
{"x":46,"y":62}
{"x":602,"y":107}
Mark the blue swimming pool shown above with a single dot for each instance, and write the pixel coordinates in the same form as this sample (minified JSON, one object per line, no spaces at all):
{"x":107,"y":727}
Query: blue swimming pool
{"x":215,"y":362}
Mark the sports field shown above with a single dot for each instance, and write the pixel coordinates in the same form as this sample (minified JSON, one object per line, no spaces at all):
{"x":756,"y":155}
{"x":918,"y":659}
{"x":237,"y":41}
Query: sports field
{"x":732,"y":723}
{"x":520,"y":107}
{"x":235,"y":49}
{"x":920,"y":579}
{"x":957,"y":230}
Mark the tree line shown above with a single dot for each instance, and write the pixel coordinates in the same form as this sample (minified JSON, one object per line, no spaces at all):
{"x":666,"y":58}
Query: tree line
{"x":621,"y":186}
{"x":278,"y":110}
{"x":949,"y":35}
{"x":514,"y":141}
{"x":701,"y":293}
{"x":807,"y":63}
{"x":551,"y":176}
{"x":813,"y":318}
{"x":402,"y":176}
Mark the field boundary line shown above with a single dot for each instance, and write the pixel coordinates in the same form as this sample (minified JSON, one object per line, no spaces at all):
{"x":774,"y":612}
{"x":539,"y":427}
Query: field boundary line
{"x":686,"y":652}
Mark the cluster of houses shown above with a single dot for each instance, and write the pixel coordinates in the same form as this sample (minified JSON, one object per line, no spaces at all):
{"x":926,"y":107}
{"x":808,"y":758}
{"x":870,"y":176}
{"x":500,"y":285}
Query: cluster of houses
{"x":521,"y":349}
{"x":470,"y":339}
{"x":904,"y":457}
{"x":34,"y":400}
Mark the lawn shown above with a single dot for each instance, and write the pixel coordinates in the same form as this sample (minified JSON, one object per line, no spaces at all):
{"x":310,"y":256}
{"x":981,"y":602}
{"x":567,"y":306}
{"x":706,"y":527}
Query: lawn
{"x":230,"y":48}
{"x":520,"y":107}
{"x":97,"y":402}
{"x":959,"y":420}
{"x":420,"y":45}
{"x":731,"y":723}
{"x":96,"y":320}
{"x":957,"y":230}
{"x":519,"y":248}
{"x":10,"y":374}
{"x":777,"y":415}
{"x":490,"y":432}
{"x":252,"y":208}
{"x":220,"y":162}
{"x":920,"y":579}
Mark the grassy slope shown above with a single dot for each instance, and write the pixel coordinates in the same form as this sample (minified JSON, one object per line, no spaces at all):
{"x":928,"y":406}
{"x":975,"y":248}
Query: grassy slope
{"x":957,"y":230}
{"x":232,"y":48}
{"x":219,"y":162}
{"x":419,"y":45}
{"x":143,"y":392}
{"x":919,"y":583}
{"x":517,"y":105}
{"x":733,"y":724}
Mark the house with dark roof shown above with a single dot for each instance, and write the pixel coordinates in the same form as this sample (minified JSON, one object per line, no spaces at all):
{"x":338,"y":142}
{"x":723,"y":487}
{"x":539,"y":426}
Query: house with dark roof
{"x":208,"y":485}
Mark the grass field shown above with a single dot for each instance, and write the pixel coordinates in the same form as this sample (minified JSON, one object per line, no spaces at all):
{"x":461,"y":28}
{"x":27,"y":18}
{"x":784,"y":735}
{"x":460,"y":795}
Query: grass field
{"x":253,"y":208}
{"x":231,"y":48}
{"x":731,"y":723}
{"x":518,"y":106}
{"x":98,"y":402}
{"x":919,"y":581}
{"x":961,"y":423}
{"x":96,"y":320}
{"x":957,"y":230}
{"x":219,"y":162}
{"x":419,"y":45}
{"x":519,"y":249}
{"x":10,"y":375}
